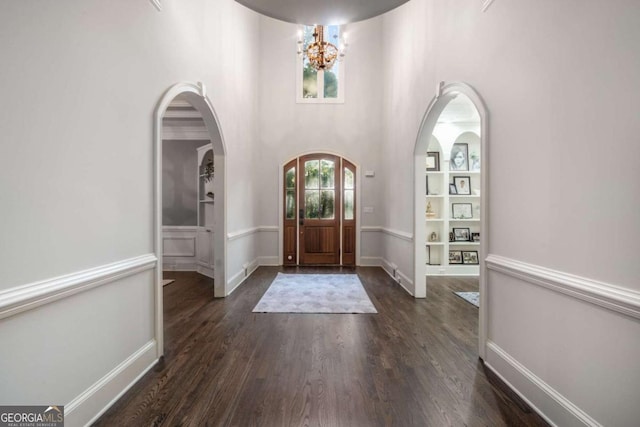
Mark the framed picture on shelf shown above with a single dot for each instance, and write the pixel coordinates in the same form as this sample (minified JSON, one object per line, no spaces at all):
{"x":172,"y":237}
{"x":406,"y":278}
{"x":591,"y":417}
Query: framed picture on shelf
{"x":475,"y":237}
{"x":470,"y":257}
{"x":433,"y":161}
{"x":463,"y":185}
{"x":461,"y":235}
{"x":428,"y":256}
{"x":459,"y":157}
{"x":475,"y":161}
{"x":462,"y":210}
{"x":455,"y":257}
{"x":452,"y":189}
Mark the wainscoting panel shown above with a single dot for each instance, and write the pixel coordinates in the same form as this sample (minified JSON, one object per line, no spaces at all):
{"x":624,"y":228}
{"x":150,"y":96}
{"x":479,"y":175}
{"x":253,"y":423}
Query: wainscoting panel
{"x":179,"y":248}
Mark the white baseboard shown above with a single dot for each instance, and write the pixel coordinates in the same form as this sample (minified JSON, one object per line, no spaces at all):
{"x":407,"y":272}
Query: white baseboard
{"x":400,"y":278}
{"x":556,"y":409}
{"x":93,"y":402}
{"x":371,"y":261}
{"x":272,"y":261}
{"x":242,"y":275}
{"x":179,"y":266}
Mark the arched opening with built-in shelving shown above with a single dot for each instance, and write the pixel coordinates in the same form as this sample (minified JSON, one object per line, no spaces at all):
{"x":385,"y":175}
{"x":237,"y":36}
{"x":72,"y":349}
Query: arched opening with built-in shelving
{"x":451,"y":183}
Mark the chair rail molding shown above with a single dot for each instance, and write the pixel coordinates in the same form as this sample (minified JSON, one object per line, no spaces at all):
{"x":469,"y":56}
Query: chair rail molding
{"x":615,"y":298}
{"x":27,"y":297}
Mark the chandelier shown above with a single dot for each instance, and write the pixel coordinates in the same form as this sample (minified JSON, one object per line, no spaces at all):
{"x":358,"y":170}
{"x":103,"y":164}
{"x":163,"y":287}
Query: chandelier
{"x":321,"y":54}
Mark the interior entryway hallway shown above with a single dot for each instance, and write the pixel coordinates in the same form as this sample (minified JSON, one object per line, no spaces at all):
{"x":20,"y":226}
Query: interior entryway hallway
{"x":413,"y":364}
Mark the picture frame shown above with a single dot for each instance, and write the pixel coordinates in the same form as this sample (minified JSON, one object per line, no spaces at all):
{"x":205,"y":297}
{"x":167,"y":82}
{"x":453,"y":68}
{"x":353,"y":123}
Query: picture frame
{"x":463,"y":185}
{"x":461,"y":234}
{"x":428,"y":256}
{"x":455,"y":257}
{"x":459,"y":160}
{"x":433,"y":161}
{"x":470,"y":257}
{"x":475,"y":237}
{"x":452,"y":189}
{"x":462,"y":211}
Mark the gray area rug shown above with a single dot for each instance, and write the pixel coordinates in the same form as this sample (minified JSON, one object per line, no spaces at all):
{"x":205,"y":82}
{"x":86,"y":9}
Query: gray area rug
{"x":472,"y":297}
{"x":315,"y":293}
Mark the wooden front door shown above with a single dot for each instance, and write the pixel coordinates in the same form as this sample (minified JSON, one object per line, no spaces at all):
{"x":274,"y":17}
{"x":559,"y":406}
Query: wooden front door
{"x":319,"y":211}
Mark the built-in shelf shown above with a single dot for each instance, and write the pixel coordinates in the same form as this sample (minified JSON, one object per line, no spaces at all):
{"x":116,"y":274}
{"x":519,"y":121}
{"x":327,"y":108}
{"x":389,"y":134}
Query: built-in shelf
{"x":435,"y":195}
{"x":463,"y":196}
{"x":206,"y":201}
{"x":435,"y":243}
{"x":434,"y":220}
{"x":464,"y":243}
{"x":464,"y":220}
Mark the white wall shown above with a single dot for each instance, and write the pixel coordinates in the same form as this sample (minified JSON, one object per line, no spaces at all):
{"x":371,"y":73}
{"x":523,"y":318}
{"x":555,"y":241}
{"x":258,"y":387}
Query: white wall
{"x":288,"y":129}
{"x":179,"y":182}
{"x":80,"y":80}
{"x":560,"y":81}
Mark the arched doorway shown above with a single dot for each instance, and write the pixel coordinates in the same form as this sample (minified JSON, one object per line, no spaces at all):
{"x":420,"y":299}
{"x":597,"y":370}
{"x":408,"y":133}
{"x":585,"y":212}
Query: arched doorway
{"x":434,"y":214}
{"x":195,"y":95}
{"x":319,"y":210}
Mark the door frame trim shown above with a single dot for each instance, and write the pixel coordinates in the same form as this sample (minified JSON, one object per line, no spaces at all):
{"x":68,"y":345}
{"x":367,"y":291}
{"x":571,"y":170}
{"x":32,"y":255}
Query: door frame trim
{"x":281,"y":201}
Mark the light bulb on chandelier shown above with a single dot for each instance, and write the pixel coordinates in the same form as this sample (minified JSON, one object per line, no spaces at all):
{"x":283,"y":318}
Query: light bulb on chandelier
{"x":322,"y":54}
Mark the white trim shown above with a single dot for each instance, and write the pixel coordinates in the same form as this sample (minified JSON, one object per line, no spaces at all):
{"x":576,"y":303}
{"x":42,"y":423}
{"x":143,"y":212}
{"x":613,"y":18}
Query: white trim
{"x":241,"y":233}
{"x":371,"y":261}
{"x":239,"y":278}
{"x":271,"y":261}
{"x":157,"y":4}
{"x":370,"y":229}
{"x":400,"y":278}
{"x":171,"y":265}
{"x":185,"y":133}
{"x":486,"y":4}
{"x":396,"y":233}
{"x":611,"y":297}
{"x":195,"y":94}
{"x":445,"y":92}
{"x":179,"y":228}
{"x":268,"y":228}
{"x":564,"y":411}
{"x":94,"y":401}
{"x":185,"y":254}
{"x":22,"y":298}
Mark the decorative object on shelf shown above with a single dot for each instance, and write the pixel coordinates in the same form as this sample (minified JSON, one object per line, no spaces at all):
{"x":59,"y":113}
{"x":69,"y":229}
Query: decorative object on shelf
{"x":463,"y":185}
{"x":433,"y":237}
{"x":451,"y":239}
{"x":428,"y":258}
{"x":321,"y":54}
{"x":430,"y":213}
{"x":459,"y":157}
{"x":452,"y":189}
{"x":461,"y":234}
{"x":455,"y":257}
{"x":470,"y":257}
{"x":462,"y":210}
{"x":426,"y":183}
{"x":433,"y":161}
{"x":210,"y":194}
{"x":208,"y":170}
{"x":475,"y":161}
{"x":475,"y":237}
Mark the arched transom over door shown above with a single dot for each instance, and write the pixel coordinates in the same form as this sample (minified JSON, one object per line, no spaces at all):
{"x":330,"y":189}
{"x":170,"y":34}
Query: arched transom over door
{"x":319,"y":211}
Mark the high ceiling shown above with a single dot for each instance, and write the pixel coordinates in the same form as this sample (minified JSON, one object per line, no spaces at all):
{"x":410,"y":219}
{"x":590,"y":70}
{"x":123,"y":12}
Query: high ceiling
{"x":321,"y":11}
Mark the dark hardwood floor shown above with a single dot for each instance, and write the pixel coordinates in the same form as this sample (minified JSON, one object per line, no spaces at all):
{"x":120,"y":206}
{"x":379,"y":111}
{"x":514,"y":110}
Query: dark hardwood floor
{"x":412,"y":364}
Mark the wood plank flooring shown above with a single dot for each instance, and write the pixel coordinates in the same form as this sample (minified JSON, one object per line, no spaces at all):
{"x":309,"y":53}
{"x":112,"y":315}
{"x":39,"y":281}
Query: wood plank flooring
{"x":412,"y":364}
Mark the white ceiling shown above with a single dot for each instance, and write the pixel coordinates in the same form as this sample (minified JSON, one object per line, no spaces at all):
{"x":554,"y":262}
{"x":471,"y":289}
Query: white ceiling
{"x":325,"y":12}
{"x":459,"y":110}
